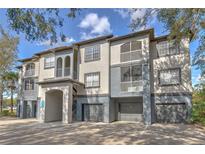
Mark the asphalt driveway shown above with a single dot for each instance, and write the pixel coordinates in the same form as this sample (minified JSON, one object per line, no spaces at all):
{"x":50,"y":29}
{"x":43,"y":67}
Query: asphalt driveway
{"x":29,"y":131}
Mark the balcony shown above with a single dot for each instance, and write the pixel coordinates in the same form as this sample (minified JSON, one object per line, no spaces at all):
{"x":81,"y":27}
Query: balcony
{"x":59,"y":72}
{"x":67,"y":71}
{"x":136,"y":86}
{"x":30,"y":72}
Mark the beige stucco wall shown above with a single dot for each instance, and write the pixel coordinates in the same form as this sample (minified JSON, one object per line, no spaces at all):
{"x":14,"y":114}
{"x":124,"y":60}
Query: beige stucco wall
{"x":101,"y":66}
{"x":66,"y":88}
{"x":45,"y":73}
{"x":36,"y":62}
{"x":175,"y":61}
{"x":115,"y":47}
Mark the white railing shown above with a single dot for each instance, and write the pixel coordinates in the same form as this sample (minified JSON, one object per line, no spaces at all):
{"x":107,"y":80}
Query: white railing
{"x":66,"y":71}
{"x":134,"y":86}
{"x":59,"y":72}
{"x":30,"y":72}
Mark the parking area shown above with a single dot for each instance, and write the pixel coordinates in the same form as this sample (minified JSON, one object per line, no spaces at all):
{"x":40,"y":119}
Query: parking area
{"x":30,"y":131}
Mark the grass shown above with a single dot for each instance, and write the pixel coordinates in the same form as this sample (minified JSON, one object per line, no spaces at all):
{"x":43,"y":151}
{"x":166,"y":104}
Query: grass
{"x":7,"y":113}
{"x":198,"y":113}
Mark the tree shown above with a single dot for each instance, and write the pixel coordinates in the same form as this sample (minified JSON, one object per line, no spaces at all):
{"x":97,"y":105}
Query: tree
{"x":8,"y":55}
{"x":39,"y":24}
{"x":11,"y":79}
{"x":188,"y":23}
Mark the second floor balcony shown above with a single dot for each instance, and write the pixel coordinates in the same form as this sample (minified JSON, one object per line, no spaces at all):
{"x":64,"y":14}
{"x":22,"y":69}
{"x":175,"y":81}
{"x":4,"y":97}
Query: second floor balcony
{"x":30,"y":72}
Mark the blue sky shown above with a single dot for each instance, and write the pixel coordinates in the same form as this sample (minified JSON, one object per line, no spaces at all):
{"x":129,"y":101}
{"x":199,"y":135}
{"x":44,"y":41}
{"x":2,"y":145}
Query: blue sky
{"x":91,"y":23}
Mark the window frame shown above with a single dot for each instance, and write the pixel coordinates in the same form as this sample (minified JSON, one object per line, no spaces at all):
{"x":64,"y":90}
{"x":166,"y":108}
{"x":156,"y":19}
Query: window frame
{"x":48,"y":67}
{"x":93,"y":47}
{"x":30,"y":86}
{"x":130,"y":51}
{"x":168,"y":42}
{"x":169,"y":69}
{"x":131,"y":72}
{"x":85,"y":78}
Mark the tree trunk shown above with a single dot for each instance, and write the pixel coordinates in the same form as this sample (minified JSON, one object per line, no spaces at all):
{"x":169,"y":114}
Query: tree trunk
{"x":1,"y":101}
{"x":12,"y":104}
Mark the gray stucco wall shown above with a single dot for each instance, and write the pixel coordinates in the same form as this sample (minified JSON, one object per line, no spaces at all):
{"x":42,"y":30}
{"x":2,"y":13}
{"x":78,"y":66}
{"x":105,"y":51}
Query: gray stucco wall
{"x":146,"y":94}
{"x":104,"y":100}
{"x":172,"y":108}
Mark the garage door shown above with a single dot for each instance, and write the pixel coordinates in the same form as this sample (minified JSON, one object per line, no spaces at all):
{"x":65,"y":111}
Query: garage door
{"x":130,"y":111}
{"x":93,"y":112}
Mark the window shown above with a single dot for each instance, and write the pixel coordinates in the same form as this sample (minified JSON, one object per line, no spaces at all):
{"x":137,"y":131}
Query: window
{"x":92,"y":80}
{"x":131,"y":51}
{"x":92,"y":53}
{"x":67,"y":66}
{"x":59,"y":67}
{"x":30,"y":69}
{"x":131,"y":78}
{"x":167,"y":48}
{"x":131,"y":73}
{"x":169,"y":77}
{"x":49,"y":62}
{"x":29,"y":84}
{"x":30,"y":66}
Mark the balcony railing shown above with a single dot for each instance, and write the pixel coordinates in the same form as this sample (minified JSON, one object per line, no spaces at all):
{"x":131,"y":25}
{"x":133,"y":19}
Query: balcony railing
{"x":67,"y":71}
{"x":135,"y":86}
{"x":30,"y":72}
{"x":59,"y":72}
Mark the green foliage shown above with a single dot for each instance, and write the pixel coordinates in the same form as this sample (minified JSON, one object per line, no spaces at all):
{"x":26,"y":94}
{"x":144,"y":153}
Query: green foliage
{"x":198,"y":113}
{"x":7,"y":113}
{"x":198,"y":108}
{"x":8,"y":56}
{"x":181,"y":23}
{"x":198,"y":95}
{"x":8,"y":51}
{"x":7,"y":102}
{"x":38,"y":24}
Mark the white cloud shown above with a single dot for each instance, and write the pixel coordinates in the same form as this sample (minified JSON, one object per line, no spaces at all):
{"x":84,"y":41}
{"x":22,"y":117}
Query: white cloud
{"x":134,"y":14}
{"x":68,"y":40}
{"x":86,"y":36}
{"x":124,"y":13}
{"x":95,"y":25}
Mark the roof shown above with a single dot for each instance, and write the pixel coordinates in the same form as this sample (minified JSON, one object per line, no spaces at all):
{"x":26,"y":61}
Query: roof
{"x":19,"y":67}
{"x":106,"y":37}
{"x":94,"y":39}
{"x":54,"y":50}
{"x":147,"y":31}
{"x":160,"y":38}
{"x":57,"y":49}
{"x":60,"y":80}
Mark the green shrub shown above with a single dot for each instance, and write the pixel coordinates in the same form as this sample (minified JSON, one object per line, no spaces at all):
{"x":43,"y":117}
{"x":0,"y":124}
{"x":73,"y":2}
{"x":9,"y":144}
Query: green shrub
{"x":7,"y":113}
{"x":198,"y":113}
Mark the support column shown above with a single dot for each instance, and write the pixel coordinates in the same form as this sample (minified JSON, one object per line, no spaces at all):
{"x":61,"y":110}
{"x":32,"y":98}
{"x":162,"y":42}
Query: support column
{"x":67,"y":104}
{"x":146,"y":94}
{"x":29,"y":114}
{"x":42,"y":107}
{"x":21,"y":109}
{"x":189,"y":108}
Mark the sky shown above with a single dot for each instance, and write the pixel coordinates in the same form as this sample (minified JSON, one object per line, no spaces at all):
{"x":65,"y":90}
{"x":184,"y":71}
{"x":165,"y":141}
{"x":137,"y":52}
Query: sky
{"x":88,"y":24}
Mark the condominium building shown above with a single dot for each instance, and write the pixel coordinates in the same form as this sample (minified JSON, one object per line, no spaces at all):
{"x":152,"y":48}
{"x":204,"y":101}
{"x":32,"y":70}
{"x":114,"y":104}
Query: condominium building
{"x":135,"y":77}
